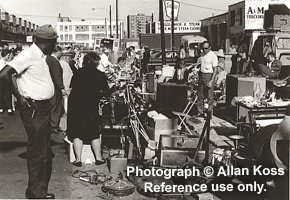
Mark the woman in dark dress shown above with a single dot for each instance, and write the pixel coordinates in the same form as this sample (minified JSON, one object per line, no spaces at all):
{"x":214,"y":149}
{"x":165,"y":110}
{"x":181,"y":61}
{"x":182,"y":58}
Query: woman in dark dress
{"x":88,"y":85}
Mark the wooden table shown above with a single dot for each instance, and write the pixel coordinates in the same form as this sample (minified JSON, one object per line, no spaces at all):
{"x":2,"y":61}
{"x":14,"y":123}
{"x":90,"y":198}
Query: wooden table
{"x":252,"y":115}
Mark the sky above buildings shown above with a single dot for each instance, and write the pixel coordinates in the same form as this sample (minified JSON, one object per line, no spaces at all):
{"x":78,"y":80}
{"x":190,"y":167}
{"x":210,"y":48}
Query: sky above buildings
{"x":46,"y":11}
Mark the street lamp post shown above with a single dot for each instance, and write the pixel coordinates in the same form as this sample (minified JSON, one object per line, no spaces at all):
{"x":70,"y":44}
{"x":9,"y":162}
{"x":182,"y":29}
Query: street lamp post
{"x":110,"y":13}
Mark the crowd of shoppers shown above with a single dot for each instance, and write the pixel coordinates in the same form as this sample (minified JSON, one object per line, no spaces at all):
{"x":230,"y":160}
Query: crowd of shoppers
{"x":6,"y":98}
{"x":52,"y":83}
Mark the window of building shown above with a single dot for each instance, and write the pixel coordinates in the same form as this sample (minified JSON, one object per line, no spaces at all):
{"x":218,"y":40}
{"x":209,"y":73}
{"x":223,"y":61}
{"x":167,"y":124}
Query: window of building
{"x":70,"y":37}
{"x":241,"y":16}
{"x":95,"y":28}
{"x":82,"y":37}
{"x":61,"y":37}
{"x":65,"y":28}
{"x":61,"y":28}
{"x":70,"y":28}
{"x":232,"y":16}
{"x":65,"y":37}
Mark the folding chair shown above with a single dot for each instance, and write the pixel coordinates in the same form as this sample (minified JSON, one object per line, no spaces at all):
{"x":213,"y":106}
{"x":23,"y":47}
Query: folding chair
{"x":182,"y":115}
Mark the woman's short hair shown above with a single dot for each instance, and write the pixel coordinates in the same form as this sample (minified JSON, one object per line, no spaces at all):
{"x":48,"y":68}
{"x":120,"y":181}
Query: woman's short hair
{"x":91,"y":59}
{"x":5,"y":52}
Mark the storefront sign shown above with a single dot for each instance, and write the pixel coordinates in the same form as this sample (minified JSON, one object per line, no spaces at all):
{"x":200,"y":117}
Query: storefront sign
{"x":179,"y":27}
{"x":29,"y":38}
{"x":168,"y":8}
{"x":255,"y":12}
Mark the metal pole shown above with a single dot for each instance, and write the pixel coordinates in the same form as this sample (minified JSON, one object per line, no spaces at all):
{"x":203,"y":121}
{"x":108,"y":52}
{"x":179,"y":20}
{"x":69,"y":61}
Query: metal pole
{"x":172,"y":25}
{"x":162,"y":31}
{"x":106,"y":28}
{"x":110,"y":22}
{"x":117,"y":28}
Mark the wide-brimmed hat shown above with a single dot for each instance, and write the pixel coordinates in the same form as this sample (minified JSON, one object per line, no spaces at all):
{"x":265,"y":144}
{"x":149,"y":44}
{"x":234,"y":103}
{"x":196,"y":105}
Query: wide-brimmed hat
{"x":46,"y":32}
{"x":220,"y":53}
{"x":106,"y":50}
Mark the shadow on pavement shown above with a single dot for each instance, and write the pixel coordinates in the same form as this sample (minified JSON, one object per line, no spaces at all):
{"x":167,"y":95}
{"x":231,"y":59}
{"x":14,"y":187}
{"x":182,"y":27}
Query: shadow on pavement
{"x":8,"y":146}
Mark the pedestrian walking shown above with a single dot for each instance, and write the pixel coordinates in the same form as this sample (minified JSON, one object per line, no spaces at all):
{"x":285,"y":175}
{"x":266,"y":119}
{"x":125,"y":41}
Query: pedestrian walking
{"x":35,"y":89}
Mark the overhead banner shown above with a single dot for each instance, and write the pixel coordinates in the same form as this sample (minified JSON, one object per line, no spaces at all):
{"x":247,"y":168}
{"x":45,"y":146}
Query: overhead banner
{"x":179,"y":27}
{"x":168,"y":8}
{"x":255,"y":12}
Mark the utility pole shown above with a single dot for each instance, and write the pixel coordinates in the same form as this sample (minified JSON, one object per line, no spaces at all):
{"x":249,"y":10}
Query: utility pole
{"x":110,"y":22}
{"x":161,"y":19}
{"x":106,"y":28}
{"x":117,"y":28}
{"x":172,"y":25}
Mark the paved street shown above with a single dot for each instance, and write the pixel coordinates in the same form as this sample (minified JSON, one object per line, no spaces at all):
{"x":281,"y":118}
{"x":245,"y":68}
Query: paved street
{"x":13,"y":170}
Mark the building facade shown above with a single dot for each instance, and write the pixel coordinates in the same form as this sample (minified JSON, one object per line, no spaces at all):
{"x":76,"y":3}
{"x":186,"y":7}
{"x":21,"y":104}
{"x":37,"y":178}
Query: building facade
{"x":15,"y":29}
{"x":83,"y":32}
{"x":136,"y":24}
{"x":216,"y":30}
{"x":243,"y":19}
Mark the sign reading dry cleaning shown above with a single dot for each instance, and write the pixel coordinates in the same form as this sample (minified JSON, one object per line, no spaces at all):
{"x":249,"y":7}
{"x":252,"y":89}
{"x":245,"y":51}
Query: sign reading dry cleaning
{"x":168,"y":8}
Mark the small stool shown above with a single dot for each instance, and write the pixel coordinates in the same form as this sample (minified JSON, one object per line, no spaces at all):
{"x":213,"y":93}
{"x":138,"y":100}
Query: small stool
{"x":236,"y":139}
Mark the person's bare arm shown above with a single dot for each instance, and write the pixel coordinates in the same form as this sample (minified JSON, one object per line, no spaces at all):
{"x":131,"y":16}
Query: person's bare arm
{"x":211,"y":82}
{"x":6,"y":79}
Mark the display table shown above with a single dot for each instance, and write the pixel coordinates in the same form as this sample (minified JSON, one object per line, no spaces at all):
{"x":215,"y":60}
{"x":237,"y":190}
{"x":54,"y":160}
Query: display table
{"x":281,"y":92}
{"x":260,"y":115}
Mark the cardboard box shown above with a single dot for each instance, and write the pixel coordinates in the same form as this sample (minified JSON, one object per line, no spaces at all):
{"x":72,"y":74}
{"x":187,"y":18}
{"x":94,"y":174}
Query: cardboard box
{"x":173,"y":156}
{"x":86,"y":152}
{"x":166,"y":127}
{"x":117,"y":164}
{"x":163,"y":125}
{"x":247,"y":86}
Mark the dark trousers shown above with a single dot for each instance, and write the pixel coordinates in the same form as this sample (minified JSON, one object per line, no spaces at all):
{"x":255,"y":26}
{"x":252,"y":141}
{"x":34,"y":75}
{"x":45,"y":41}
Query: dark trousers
{"x":204,"y":92}
{"x":145,"y":68}
{"x":36,"y":120}
{"x":266,"y":71}
{"x":56,"y":108}
{"x":7,"y":100}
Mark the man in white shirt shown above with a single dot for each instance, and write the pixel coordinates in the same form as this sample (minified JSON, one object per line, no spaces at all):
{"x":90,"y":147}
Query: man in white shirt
{"x":104,"y":62}
{"x":209,"y":63}
{"x":35,"y":89}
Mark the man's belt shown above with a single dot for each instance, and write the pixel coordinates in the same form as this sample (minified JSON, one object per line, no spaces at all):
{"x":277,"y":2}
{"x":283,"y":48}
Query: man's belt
{"x":46,"y":101}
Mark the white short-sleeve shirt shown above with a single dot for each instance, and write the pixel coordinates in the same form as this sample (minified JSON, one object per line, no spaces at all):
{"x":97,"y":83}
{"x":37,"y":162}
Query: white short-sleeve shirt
{"x":208,"y":61}
{"x":33,"y":80}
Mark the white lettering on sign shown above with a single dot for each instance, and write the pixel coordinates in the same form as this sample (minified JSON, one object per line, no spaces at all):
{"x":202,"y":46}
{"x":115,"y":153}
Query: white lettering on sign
{"x":179,"y":27}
